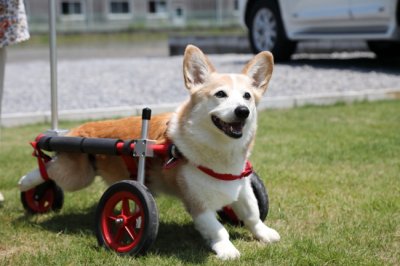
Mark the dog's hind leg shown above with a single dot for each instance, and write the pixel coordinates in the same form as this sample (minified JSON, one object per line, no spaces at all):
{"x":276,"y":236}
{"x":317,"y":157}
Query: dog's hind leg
{"x":70,"y":171}
{"x":246,"y":208}
{"x":30,"y":180}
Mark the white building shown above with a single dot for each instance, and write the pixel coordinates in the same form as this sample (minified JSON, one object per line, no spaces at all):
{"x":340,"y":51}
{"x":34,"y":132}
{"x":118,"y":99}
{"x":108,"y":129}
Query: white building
{"x":103,"y":15}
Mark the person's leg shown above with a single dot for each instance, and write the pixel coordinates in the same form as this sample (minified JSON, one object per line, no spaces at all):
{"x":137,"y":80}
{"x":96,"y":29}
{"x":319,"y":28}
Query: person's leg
{"x":2,"y":67}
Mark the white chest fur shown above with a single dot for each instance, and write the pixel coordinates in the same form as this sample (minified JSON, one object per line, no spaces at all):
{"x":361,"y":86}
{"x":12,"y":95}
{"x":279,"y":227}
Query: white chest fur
{"x":212,"y":193}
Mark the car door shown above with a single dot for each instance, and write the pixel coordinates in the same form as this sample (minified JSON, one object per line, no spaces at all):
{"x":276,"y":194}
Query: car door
{"x":371,"y":9}
{"x":316,"y":10}
{"x":309,"y":17}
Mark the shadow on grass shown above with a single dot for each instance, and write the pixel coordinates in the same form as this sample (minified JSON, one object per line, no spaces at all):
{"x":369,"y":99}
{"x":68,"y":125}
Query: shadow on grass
{"x":180,"y":241}
{"x":68,"y":223}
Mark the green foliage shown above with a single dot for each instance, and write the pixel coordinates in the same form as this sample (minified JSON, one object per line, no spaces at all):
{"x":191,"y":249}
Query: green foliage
{"x":333,"y":177}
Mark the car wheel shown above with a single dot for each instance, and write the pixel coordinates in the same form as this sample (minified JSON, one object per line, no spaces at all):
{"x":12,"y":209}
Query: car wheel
{"x":266,"y":32}
{"x":385,"y":49}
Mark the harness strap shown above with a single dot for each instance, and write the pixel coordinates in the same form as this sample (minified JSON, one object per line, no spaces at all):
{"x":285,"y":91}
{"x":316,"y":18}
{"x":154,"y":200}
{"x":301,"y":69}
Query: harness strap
{"x":248,"y":170}
{"x":131,"y":165}
{"x":174,"y":156}
{"x":42,"y":158}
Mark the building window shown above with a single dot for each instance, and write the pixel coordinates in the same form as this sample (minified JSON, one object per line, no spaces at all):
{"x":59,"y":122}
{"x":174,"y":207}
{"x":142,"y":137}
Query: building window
{"x":178,"y":17}
{"x":72,"y":10}
{"x":236,"y":5}
{"x":158,"y":7}
{"x":179,"y":12}
{"x":119,"y":7}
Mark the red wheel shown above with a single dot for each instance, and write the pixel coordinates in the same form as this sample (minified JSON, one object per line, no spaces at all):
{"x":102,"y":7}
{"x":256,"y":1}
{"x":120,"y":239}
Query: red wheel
{"x":227,"y":214}
{"x":127,"y":218}
{"x":43,"y":198}
{"x":121,"y":221}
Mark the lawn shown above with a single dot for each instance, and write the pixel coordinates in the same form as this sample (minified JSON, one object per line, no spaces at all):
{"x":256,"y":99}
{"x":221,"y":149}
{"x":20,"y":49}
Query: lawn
{"x":131,"y":36}
{"x":333,"y":178}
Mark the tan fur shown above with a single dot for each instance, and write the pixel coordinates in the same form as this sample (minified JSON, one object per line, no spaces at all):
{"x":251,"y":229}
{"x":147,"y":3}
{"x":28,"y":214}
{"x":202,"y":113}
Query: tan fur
{"x":125,"y":128}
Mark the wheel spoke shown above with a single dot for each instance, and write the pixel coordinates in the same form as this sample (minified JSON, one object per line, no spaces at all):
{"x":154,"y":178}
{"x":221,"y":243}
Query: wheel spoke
{"x":112,"y":218}
{"x":272,"y":23}
{"x":260,"y":23}
{"x":125,"y":207}
{"x":131,"y":233}
{"x":132,"y":219}
{"x":119,"y":235}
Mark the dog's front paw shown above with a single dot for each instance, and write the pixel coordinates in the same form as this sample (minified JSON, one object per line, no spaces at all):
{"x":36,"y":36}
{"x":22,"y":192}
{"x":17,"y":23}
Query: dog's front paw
{"x":225,"y":250}
{"x":266,"y":234}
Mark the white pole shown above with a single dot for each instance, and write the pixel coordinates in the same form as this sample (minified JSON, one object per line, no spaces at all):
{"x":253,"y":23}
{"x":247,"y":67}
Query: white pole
{"x":53,"y":65}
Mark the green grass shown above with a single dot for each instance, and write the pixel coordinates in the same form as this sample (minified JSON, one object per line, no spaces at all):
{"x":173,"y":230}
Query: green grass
{"x":130,"y":36}
{"x":333,"y":176}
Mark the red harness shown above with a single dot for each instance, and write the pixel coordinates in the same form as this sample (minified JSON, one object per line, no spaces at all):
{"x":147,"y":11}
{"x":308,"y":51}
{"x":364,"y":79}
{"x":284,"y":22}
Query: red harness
{"x":42,"y":158}
{"x":175,"y":156}
{"x":248,"y":170}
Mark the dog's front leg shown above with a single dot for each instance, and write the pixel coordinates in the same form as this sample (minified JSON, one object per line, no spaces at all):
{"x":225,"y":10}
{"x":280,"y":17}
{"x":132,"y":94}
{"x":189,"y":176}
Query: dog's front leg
{"x":246,"y":208}
{"x":214,"y":232}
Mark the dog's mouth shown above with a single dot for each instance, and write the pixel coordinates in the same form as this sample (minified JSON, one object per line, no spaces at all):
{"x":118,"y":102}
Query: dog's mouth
{"x":233,"y":130}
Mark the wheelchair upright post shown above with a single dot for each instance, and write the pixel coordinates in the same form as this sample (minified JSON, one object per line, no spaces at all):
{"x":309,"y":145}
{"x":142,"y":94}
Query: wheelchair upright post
{"x":142,"y":145}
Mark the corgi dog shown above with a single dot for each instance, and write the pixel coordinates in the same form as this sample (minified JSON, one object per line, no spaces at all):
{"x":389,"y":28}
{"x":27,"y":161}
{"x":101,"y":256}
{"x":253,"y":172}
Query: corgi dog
{"x":214,"y":129}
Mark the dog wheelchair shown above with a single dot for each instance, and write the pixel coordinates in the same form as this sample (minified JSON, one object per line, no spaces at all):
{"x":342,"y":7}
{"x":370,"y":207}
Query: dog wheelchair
{"x":126,"y":216}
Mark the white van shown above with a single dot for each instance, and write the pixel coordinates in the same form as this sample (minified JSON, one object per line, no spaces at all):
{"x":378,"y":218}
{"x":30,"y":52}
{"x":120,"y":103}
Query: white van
{"x":276,"y":25}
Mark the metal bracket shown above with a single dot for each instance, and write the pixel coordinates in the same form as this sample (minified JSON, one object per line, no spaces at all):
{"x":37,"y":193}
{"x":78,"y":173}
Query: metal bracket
{"x":56,"y":132}
{"x":143,"y":148}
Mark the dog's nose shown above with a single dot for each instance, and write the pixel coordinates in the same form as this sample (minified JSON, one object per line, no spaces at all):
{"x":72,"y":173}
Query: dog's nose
{"x":242,"y":112}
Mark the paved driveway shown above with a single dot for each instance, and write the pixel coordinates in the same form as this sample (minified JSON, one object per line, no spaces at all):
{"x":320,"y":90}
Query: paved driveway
{"x":117,"y":76}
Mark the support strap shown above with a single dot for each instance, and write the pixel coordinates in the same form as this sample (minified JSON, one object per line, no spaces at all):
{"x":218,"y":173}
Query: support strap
{"x":131,"y":165}
{"x":42,"y":158}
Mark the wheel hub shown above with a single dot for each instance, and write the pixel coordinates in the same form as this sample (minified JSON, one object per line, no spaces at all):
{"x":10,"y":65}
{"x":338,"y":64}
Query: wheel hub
{"x":120,"y":221}
{"x":265,"y":30}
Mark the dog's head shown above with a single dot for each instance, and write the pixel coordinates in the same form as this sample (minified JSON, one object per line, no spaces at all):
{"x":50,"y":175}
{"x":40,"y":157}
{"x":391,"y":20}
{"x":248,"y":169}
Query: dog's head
{"x":224,"y":105}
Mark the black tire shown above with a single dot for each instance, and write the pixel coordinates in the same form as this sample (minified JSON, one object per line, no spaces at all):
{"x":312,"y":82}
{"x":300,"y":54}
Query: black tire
{"x":386,"y":50}
{"x":43,"y":198}
{"x":261,"y":194}
{"x":227,"y":215}
{"x":266,"y":31}
{"x":124,"y":231}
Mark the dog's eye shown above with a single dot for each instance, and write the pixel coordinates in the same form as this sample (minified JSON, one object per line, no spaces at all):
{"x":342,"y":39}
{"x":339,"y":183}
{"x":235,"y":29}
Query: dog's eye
{"x":221,"y":94}
{"x":247,"y":96}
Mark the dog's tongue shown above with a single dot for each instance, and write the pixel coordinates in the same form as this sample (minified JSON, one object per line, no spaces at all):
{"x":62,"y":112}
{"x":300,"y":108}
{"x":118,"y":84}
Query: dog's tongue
{"x":236,"y":127}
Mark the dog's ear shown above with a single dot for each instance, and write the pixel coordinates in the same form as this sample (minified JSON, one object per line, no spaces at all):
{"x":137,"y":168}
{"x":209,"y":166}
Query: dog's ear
{"x":196,"y":67}
{"x":259,"y":69}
